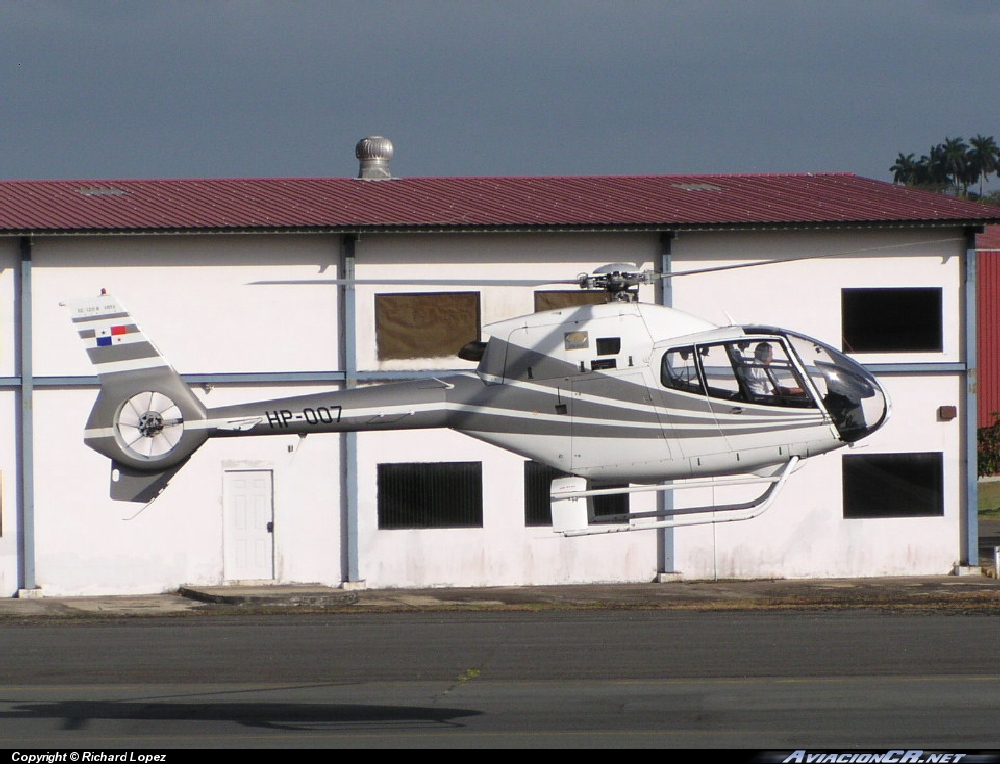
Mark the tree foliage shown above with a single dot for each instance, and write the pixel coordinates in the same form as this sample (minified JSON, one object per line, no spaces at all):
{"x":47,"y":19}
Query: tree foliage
{"x":951,"y":166}
{"x":989,"y":448}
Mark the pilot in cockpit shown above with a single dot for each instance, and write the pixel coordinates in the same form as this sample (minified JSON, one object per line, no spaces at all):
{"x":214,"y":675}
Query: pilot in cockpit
{"x":756,"y":374}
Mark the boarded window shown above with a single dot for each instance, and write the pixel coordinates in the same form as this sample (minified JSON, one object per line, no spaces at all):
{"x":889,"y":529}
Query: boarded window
{"x":891,"y":320}
{"x":537,"y":509}
{"x":562,"y":298}
{"x":430,"y":495}
{"x":425,"y":325}
{"x":893,"y":485}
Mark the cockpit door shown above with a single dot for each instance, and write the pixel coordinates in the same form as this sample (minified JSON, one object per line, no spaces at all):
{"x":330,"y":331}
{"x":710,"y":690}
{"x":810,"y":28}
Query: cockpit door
{"x":616,"y":423}
{"x":689,"y":421}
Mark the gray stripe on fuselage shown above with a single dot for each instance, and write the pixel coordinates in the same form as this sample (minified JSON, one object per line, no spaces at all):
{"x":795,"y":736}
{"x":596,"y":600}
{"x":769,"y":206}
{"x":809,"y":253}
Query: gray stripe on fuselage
{"x":515,"y":397}
{"x":682,"y":434}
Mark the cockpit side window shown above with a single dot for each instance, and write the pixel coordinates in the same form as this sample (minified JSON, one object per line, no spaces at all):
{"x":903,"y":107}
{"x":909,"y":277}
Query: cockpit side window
{"x":767,"y":376}
{"x":717,"y":364}
{"x":679,"y":371}
{"x":757,"y":371}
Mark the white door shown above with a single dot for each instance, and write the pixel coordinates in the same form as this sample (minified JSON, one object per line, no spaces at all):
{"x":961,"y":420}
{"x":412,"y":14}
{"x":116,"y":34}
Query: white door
{"x":248,"y":540}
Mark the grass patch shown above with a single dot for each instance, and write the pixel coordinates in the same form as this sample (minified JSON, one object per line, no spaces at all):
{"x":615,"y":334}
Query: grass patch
{"x":989,"y":499}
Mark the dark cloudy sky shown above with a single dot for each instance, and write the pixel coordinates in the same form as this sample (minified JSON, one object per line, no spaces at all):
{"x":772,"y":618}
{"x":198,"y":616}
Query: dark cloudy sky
{"x":488,"y":87}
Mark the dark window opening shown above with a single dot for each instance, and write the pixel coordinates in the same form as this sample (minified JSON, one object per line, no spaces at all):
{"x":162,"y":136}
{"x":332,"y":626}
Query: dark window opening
{"x":430,"y":495}
{"x":537,"y":509}
{"x":893,"y":485}
{"x":892,"y":320}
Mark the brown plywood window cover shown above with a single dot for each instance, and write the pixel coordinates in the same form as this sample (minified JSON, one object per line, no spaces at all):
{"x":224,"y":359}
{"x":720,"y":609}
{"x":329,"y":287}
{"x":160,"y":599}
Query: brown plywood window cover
{"x":425,"y":324}
{"x":554,"y":299}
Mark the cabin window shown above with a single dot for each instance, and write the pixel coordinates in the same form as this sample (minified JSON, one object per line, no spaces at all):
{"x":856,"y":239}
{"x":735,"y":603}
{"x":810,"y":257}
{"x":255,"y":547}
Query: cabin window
{"x":893,"y":485}
{"x":537,"y":509}
{"x":554,"y":299}
{"x":680,"y":371}
{"x":755,"y":372}
{"x":425,"y":324}
{"x":767,"y":376}
{"x":430,"y":495}
{"x":717,"y":366}
{"x":893,"y":320}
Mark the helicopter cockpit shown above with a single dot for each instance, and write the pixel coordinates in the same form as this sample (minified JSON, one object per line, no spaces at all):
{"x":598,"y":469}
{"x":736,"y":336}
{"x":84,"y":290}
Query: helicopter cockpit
{"x":850,"y":393}
{"x":774,"y":367}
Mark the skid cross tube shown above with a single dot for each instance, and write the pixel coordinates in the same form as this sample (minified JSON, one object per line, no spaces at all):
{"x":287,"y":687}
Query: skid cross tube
{"x":733,"y":512}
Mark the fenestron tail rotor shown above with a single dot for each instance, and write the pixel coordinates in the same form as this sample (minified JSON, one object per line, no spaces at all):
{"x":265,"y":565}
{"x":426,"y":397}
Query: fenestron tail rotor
{"x":149,"y":425}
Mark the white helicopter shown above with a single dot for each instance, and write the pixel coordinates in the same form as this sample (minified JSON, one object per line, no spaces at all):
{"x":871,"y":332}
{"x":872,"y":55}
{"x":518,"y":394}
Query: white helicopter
{"x":611,"y":394}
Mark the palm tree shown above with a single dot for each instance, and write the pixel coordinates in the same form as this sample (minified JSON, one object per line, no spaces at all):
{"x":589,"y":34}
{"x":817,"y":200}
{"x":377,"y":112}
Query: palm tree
{"x":955,"y":162}
{"x":930,"y":169}
{"x":904,"y":170}
{"x":984,"y":156}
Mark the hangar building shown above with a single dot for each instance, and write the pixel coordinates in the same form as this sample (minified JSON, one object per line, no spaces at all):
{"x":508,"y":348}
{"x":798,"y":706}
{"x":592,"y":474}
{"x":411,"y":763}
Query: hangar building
{"x":230,"y":278}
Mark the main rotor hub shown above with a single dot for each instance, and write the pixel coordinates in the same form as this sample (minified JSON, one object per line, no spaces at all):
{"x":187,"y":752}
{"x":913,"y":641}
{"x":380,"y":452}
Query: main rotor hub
{"x":619,"y":284}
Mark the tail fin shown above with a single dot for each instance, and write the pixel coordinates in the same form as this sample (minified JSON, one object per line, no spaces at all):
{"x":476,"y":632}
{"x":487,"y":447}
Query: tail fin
{"x":145,"y":418}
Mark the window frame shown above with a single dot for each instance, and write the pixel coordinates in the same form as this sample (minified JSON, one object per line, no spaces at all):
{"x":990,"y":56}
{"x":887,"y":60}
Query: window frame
{"x":402,"y":500}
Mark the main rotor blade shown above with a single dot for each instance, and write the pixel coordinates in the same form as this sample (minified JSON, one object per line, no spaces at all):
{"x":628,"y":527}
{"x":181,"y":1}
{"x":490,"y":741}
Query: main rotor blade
{"x":423,"y":282}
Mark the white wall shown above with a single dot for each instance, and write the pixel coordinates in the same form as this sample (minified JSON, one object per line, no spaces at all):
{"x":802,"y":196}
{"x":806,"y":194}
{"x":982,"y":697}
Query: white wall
{"x":195,"y":297}
{"x":192,"y":295}
{"x":503,"y":552}
{"x":9,"y":405}
{"x":804,"y":295}
{"x":559,"y":257}
{"x":804,"y":534}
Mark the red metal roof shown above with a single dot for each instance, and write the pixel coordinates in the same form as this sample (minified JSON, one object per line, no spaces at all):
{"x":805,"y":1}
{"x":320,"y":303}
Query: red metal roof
{"x":667,"y":201}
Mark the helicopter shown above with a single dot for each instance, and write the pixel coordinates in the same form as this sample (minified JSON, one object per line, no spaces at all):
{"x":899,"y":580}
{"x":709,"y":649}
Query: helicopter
{"x":621,"y":397}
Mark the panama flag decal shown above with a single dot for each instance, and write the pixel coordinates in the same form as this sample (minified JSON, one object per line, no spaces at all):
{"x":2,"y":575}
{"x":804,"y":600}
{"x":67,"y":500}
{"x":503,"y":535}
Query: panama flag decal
{"x":110,"y":334}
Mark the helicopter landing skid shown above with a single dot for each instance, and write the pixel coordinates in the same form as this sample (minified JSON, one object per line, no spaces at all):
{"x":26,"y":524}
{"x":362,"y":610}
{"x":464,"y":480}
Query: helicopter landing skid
{"x":571,"y":517}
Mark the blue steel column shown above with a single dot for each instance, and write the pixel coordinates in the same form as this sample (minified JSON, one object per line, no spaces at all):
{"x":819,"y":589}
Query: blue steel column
{"x":351,"y":567}
{"x":971,"y":552}
{"x":665,"y":499}
{"x":26,"y":468}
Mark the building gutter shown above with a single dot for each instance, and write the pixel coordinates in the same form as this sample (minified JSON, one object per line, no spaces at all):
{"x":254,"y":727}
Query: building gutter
{"x":358,"y":229}
{"x":26,"y":445}
{"x":350,"y":527}
{"x":970,"y":551}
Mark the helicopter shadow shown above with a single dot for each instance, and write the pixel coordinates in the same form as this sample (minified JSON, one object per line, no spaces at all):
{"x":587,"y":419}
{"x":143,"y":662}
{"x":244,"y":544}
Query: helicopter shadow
{"x":287,"y":716}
